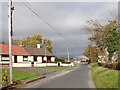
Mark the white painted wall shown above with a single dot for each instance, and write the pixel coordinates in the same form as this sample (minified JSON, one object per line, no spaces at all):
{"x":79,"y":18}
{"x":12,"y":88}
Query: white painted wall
{"x":4,"y":62}
{"x":36,"y":64}
{"x":52,"y":64}
{"x":19,"y":58}
{"x":13,"y":58}
{"x":45,"y":58}
{"x":53,"y":59}
{"x":39,"y":59}
{"x":30,"y":58}
{"x":66,"y":65}
{"x":0,"y":57}
{"x":5,"y":58}
{"x":25,"y":64}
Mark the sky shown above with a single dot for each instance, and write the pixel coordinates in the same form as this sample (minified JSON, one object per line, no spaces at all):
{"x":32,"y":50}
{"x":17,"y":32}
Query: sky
{"x":67,"y":18}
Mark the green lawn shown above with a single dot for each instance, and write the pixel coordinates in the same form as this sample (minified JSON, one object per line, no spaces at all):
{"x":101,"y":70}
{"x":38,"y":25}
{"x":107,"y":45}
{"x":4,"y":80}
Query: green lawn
{"x":103,"y":77}
{"x":20,"y":75}
{"x":55,"y":68}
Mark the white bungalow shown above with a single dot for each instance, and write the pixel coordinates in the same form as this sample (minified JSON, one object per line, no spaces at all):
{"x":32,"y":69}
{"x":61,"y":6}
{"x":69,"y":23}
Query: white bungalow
{"x":19,"y":56}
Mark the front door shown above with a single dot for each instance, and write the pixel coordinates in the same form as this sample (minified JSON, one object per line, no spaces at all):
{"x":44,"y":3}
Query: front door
{"x":15,"y":59}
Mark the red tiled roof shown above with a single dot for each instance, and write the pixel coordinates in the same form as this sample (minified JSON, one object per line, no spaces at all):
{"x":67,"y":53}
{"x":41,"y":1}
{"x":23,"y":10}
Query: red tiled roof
{"x":16,"y":50}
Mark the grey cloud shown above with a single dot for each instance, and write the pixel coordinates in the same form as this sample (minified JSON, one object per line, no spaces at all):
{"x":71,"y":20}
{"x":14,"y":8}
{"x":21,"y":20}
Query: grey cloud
{"x":66,"y":18}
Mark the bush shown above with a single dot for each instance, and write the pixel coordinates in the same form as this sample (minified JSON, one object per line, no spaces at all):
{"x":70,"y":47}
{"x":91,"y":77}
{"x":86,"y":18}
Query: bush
{"x":106,"y":65}
{"x":100,"y":64}
{"x":110,"y":65}
{"x":118,"y":66}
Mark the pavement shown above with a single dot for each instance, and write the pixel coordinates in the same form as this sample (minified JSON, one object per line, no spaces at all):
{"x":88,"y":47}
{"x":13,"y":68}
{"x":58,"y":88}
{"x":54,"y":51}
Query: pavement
{"x":76,"y":78}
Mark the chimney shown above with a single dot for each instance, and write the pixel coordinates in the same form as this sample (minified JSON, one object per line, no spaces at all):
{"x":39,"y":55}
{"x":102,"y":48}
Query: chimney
{"x":38,"y":45}
{"x":21,"y":45}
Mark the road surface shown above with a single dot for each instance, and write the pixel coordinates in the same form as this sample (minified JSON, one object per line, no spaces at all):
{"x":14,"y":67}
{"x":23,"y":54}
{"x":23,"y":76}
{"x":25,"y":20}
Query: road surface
{"x":77,"y":78}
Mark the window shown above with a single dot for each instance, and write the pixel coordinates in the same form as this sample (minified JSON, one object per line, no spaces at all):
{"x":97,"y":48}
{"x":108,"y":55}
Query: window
{"x":25,"y":58}
{"x":35,"y":58}
{"x":4,"y":57}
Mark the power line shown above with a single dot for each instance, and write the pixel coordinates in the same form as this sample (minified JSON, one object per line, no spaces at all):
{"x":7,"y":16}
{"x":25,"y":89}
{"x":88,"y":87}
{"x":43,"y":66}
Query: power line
{"x":45,"y":21}
{"x":39,"y":16}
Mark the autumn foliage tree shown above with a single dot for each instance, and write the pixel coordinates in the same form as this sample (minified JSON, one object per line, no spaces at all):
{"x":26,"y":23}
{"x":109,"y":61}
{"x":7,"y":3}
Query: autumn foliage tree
{"x":91,"y":52}
{"x":106,"y":36}
{"x":33,"y":41}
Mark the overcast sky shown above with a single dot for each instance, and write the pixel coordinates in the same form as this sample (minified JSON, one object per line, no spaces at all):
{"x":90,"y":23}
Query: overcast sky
{"x":68,"y":18}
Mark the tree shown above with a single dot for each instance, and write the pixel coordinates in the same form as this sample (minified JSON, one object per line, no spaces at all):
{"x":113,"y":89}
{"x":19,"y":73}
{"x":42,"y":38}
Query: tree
{"x":105,"y":36}
{"x":48,"y":43}
{"x":33,"y":41}
{"x":91,"y":52}
{"x":2,"y":42}
{"x":59,"y":59}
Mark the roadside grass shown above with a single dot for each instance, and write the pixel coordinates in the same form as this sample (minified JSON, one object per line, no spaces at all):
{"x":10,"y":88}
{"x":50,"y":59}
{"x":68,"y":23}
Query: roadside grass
{"x":77,"y":64}
{"x":55,"y":68}
{"x":19,"y":75}
{"x":104,"y":77}
{"x":22,"y":75}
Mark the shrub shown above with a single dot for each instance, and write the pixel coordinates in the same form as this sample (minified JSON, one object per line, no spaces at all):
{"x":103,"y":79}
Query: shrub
{"x":106,"y":65}
{"x":110,"y":65}
{"x":118,"y":66}
{"x":113,"y":65}
{"x":100,"y":64}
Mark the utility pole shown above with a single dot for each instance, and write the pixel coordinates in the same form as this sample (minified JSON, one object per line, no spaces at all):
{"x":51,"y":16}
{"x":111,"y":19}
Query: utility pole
{"x":57,"y":53}
{"x":68,"y":54}
{"x":45,"y":55}
{"x":10,"y":10}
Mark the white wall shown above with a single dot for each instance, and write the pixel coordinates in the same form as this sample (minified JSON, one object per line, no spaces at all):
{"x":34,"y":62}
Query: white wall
{"x":25,"y":64}
{"x":45,"y":58}
{"x":0,"y":57}
{"x":36,"y":64}
{"x":39,"y":59}
{"x":5,"y":58}
{"x":53,"y":59}
{"x":30,"y":58}
{"x":4,"y":62}
{"x":19,"y":58}
{"x":65,"y":64}
{"x":13,"y":58}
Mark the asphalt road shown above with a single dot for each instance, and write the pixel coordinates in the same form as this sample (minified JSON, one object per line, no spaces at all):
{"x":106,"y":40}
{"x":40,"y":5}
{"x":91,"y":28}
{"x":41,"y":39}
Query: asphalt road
{"x":77,"y":78}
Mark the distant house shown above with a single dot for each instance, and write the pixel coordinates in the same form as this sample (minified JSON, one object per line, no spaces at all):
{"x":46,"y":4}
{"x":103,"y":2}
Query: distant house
{"x":24,"y":57}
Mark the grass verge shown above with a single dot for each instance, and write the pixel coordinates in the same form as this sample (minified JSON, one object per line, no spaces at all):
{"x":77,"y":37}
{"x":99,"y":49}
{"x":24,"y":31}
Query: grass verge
{"x":55,"y":68}
{"x":77,"y":64}
{"x":104,"y":77}
{"x":20,"y":75}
